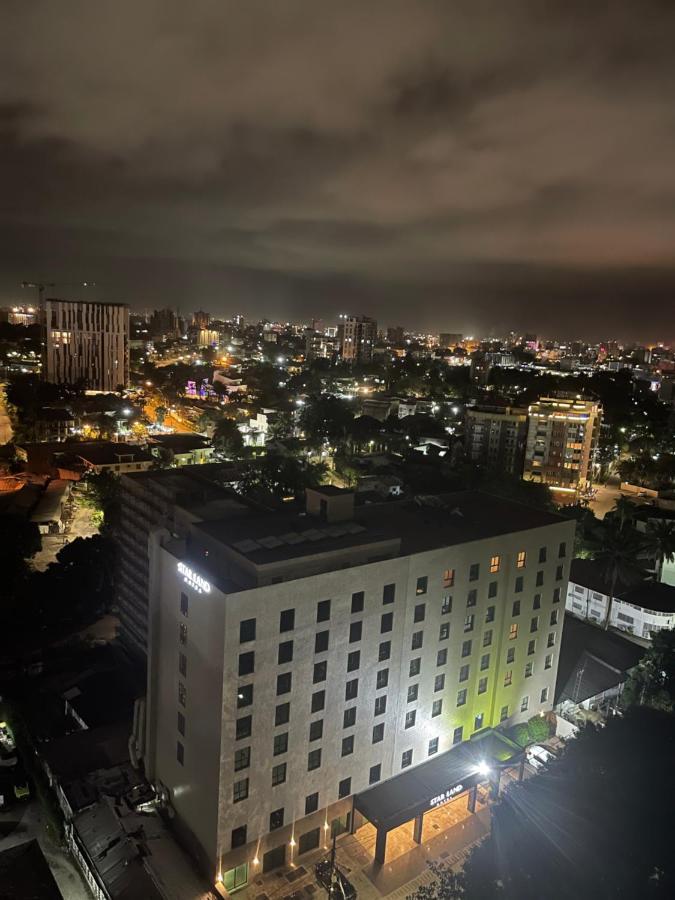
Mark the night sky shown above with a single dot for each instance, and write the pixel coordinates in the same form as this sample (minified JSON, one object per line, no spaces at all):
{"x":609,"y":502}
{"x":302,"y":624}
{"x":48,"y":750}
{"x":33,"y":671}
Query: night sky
{"x":458,"y":166}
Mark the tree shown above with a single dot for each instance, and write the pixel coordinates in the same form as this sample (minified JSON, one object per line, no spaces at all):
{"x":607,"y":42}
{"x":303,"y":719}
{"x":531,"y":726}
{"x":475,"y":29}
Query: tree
{"x":617,"y":549}
{"x":652,"y":682}
{"x":160,"y":415}
{"x":281,"y":476}
{"x":660,"y":541}
{"x":447,"y":885}
{"x":327,"y":417}
{"x":624,"y":511}
{"x":227,"y":438}
{"x":103,"y":496}
{"x":578,"y":830}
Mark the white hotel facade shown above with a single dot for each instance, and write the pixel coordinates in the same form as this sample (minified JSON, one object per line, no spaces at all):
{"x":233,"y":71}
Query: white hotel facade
{"x":295,"y":661}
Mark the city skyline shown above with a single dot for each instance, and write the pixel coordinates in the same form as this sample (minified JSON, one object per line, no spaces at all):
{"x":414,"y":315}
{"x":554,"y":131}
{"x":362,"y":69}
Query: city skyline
{"x":479,"y":170}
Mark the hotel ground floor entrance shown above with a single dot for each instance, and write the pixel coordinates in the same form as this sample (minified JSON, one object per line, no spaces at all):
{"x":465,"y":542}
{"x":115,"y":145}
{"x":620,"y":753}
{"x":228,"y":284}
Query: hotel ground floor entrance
{"x":420,"y":803}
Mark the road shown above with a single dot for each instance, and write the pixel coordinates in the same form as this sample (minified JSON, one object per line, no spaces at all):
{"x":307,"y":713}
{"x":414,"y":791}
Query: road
{"x":6,"y":430}
{"x":605,"y":499}
{"x":171,"y":420}
{"x":25,"y":821}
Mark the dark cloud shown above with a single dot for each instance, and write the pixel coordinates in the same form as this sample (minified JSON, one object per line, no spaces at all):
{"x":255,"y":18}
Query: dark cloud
{"x":470,"y":165}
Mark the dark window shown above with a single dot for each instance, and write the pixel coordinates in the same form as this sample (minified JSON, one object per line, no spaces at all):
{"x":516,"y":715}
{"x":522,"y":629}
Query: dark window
{"x":348,"y":745}
{"x":238,"y":836}
{"x":478,"y":722}
{"x":542,"y":554}
{"x":562,"y":550}
{"x":244,"y":727}
{"x":375,"y":774}
{"x":355,"y":632}
{"x":388,"y":593}
{"x":240,"y":790}
{"x":184,"y":604}
{"x":384,"y":651}
{"x":287,"y":620}
{"x":353,"y":660}
{"x":316,"y":730}
{"x":510,"y":654}
{"x":436,"y":708}
{"x":559,"y":573}
{"x":466,"y":648}
{"x":378,"y":733}
{"x":318,"y":700}
{"x":433,"y":746}
{"x":357,"y":602}
{"x":311,"y":803}
{"x":181,"y":724}
{"x":382,"y":678}
{"x":320,"y":671}
{"x":536,"y":603}
{"x":417,"y":639}
{"x":321,"y":641}
{"x":280,"y":743}
{"x":244,"y":695}
{"x":469,"y":622}
{"x":531,"y":648}
{"x":349,"y":717}
{"x":515,"y":610}
{"x":180,"y":752}
{"x":246,"y":631}
{"x":282,"y":713}
{"x":444,"y":631}
{"x":490,"y":614}
{"x":285,"y":654}
{"x":278,"y":774}
{"x":492,"y":589}
{"x":323,"y":611}
{"x":472,"y":597}
{"x":182,"y":664}
{"x":446,"y":605}
{"x":519,"y":584}
{"x":482,"y":685}
{"x":474,"y":572}
{"x":415,"y":666}
{"x":345,"y":787}
{"x":182,"y":633}
{"x":485,"y":662}
{"x":534,"y":624}
{"x":439,"y":683}
{"x":246,"y":663}
{"x":386,"y":622}
{"x":276,"y":819}
{"x":380,"y":705}
{"x":487,"y":637}
{"x":352,"y":689}
{"x":406,"y":759}
{"x":464,"y":673}
{"x":421,"y":587}
{"x":556,"y":595}
{"x":441,"y":657}
{"x":412,"y":692}
{"x":283,"y":683}
{"x":410,"y":718}
{"x":418,"y":615}
{"x":457,"y":735}
{"x":182,"y":694}
{"x":540,"y":578}
{"x":313,"y":759}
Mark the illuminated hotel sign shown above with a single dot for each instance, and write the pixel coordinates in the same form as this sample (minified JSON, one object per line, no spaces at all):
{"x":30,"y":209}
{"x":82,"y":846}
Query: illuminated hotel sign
{"x":196,"y":582}
{"x":446,"y":795}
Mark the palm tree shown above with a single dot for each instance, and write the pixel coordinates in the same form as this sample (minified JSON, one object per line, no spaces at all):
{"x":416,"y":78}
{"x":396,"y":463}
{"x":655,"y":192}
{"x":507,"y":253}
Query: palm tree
{"x":624,"y":511}
{"x":617,"y":550}
{"x":660,"y":541}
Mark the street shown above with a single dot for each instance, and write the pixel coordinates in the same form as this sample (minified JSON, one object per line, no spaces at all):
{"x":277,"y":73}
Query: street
{"x":605,"y":499}
{"x":81,"y":525}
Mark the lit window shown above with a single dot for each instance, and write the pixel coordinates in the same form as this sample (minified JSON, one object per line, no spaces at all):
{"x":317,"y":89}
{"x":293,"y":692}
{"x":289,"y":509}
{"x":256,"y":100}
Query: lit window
{"x":448,"y":578}
{"x":494,"y":565}
{"x":508,"y":677}
{"x":520,"y":561}
{"x":513,"y":631}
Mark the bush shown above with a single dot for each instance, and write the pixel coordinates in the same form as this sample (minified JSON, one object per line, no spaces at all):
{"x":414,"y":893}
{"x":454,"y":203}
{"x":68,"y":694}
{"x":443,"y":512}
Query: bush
{"x":538,"y":729}
{"x":521,"y":734}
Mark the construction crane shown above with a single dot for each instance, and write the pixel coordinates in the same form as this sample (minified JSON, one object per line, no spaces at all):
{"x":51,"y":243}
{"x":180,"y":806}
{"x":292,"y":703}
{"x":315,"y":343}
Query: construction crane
{"x":41,"y":286}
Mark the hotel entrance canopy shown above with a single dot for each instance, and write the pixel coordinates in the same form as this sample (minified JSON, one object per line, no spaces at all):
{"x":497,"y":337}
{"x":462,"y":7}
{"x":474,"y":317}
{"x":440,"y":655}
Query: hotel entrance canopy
{"x":433,"y":783}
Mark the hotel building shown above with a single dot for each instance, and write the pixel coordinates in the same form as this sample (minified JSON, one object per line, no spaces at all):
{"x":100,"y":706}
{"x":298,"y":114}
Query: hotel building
{"x":299,"y":663}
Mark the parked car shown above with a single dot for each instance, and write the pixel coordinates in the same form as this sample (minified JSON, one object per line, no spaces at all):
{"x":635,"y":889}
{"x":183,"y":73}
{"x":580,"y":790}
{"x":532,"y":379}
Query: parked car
{"x":538,"y":756}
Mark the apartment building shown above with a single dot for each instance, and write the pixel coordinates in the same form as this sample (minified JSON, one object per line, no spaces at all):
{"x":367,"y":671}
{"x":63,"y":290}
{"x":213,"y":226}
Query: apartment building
{"x":169,"y":499}
{"x":296,"y":662}
{"x":357,"y":338}
{"x":562,"y":442}
{"x":495,"y":436}
{"x":87,"y":342}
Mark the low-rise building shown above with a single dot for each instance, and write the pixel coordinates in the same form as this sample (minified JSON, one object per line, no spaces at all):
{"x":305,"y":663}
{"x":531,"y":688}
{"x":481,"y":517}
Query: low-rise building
{"x":182,"y":448}
{"x":495,"y":437}
{"x":642,"y":608}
